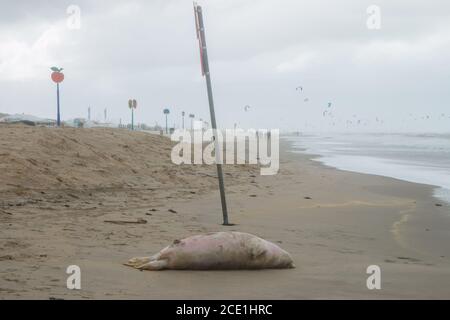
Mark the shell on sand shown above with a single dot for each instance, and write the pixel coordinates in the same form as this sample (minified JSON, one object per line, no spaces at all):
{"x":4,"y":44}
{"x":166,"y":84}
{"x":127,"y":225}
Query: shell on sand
{"x":215,"y":251}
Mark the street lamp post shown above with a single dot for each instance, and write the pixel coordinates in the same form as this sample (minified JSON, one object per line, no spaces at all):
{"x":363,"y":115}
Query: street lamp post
{"x":182,"y":117}
{"x":192,"y":116}
{"x":166,"y":112}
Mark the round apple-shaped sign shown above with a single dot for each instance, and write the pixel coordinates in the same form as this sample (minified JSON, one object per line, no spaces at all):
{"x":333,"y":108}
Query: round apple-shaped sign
{"x":57,"y":75}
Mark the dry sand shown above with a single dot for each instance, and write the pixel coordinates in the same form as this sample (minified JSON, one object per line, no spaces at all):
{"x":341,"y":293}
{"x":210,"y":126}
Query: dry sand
{"x":59,"y":186}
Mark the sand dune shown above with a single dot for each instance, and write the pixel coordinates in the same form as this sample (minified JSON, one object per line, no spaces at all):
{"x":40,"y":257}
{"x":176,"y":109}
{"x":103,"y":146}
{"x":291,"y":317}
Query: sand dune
{"x":36,"y":158}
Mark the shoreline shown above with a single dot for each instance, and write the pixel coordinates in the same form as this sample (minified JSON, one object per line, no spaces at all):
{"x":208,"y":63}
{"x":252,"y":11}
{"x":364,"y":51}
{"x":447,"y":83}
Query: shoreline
{"x":441,"y":191}
{"x":334,"y":223}
{"x":427,"y":194}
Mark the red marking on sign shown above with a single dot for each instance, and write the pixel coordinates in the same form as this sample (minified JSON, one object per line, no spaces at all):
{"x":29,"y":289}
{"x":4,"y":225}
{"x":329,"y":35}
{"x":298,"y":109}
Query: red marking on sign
{"x":197,"y":27}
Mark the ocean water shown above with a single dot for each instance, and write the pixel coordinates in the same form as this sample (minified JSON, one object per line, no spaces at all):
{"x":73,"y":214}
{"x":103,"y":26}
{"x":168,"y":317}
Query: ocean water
{"x":420,"y":158}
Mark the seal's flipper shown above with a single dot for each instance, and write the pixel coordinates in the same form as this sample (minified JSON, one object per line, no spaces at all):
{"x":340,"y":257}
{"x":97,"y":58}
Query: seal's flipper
{"x":153,"y":265}
{"x":137,"y":261}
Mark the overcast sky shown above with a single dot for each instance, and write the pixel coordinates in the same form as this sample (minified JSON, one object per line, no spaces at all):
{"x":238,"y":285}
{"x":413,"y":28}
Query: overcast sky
{"x":259,"y":52}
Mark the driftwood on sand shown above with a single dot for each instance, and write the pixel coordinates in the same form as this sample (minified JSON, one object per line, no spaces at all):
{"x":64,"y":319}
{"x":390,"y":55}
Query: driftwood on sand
{"x":138,"y":221}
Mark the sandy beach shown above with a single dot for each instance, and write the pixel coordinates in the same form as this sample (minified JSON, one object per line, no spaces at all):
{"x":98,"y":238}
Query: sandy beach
{"x":97,"y":197}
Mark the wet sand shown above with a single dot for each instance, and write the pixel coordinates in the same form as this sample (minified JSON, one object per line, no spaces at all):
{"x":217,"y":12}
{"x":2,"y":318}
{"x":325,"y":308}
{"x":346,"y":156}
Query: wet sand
{"x":334,"y":223}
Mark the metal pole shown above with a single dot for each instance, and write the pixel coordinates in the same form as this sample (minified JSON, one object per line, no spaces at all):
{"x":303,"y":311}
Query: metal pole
{"x":166,"y":125}
{"x":132,"y":118}
{"x":58,"y":115}
{"x":205,"y":66}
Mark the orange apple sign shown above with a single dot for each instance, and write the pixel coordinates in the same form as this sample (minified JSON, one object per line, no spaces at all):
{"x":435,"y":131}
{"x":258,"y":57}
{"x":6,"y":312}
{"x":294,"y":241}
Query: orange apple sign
{"x":57,"y":76}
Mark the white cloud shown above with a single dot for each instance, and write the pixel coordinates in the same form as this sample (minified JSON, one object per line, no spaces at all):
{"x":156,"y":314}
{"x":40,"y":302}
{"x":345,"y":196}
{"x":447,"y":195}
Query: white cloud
{"x":21,"y":60}
{"x":403,"y":51}
{"x":298,"y":63}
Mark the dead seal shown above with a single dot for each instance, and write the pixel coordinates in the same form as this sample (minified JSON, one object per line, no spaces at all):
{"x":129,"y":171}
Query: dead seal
{"x":217,"y":251}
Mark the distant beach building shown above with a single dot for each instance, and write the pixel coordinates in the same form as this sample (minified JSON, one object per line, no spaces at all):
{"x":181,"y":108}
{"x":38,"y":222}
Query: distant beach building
{"x":27,"y":119}
{"x":85,"y":123}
